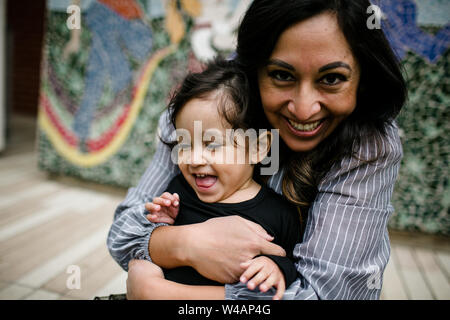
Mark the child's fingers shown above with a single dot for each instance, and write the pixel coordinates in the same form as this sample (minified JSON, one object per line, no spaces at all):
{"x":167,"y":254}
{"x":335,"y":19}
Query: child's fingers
{"x":160,"y":219}
{"x":177,"y":199}
{"x":281,"y":287}
{"x":162,"y":201}
{"x":173,"y":212}
{"x":168,"y":196}
{"x":271,"y":280}
{"x":174,"y":198}
{"x":252,"y":267}
{"x":257,"y":279}
{"x":151,"y":207}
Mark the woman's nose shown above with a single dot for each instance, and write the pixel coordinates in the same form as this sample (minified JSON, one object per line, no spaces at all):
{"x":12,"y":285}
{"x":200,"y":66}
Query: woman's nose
{"x":304,"y":103}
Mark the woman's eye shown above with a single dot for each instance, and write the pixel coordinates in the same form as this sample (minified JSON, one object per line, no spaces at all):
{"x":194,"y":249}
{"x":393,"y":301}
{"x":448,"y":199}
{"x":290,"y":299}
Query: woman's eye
{"x":281,"y":75}
{"x":332,"y":79}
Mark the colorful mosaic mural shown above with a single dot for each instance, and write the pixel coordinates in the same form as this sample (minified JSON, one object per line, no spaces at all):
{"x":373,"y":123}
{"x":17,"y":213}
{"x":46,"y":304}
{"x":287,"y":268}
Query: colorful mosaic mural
{"x":104,"y":86}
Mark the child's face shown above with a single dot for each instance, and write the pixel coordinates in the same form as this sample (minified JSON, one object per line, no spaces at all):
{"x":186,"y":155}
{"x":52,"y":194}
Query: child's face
{"x":202,"y":160}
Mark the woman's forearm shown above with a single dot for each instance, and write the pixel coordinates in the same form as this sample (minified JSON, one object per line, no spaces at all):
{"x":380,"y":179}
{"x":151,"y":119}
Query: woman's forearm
{"x":215,"y":248}
{"x":167,"y":246}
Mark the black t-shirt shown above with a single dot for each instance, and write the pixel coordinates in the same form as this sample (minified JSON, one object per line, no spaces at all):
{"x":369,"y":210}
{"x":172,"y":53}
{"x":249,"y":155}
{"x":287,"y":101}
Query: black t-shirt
{"x":268,"y":209}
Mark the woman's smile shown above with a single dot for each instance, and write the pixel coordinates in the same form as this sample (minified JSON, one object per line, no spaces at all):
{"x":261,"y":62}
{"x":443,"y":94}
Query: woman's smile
{"x":309,"y":129}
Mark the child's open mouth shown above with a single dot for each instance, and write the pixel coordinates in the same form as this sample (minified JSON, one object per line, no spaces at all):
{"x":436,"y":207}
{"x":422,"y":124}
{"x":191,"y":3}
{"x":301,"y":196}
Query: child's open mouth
{"x":204,"y":181}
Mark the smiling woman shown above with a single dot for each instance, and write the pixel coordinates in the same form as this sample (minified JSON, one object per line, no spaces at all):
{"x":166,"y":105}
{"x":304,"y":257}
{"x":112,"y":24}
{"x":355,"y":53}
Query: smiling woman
{"x":315,"y":73}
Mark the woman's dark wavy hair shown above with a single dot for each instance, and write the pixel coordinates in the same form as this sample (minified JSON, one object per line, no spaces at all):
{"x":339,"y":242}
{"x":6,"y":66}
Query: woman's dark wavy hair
{"x":380,"y":96}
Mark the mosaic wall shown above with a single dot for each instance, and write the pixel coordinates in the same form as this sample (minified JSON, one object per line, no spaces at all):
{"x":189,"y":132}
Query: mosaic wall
{"x":419,"y":31}
{"x":104,"y":86}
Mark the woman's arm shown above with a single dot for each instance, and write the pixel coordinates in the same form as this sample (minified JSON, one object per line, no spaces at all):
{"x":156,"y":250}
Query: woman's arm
{"x":345,"y":247}
{"x":215,"y":248}
{"x":130,"y":232}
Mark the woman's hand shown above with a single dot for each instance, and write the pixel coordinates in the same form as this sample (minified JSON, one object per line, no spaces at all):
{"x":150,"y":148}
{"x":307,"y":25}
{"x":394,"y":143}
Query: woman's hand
{"x":217,"y":247}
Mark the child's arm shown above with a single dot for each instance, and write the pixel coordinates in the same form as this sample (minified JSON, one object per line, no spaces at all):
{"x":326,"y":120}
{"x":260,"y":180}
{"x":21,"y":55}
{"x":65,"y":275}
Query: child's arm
{"x":264,"y":272}
{"x":163,"y":209}
{"x":147,"y":281}
{"x":162,"y":289}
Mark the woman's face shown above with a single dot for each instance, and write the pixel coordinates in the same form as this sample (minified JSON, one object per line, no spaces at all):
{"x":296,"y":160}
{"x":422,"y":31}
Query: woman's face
{"x":309,"y":84}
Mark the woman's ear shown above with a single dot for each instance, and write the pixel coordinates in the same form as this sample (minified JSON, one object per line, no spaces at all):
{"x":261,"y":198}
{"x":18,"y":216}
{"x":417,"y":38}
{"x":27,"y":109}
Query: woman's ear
{"x":262,"y":148}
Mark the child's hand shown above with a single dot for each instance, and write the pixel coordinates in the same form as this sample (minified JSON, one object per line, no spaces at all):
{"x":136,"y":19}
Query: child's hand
{"x":264,"y":272}
{"x":163,"y":209}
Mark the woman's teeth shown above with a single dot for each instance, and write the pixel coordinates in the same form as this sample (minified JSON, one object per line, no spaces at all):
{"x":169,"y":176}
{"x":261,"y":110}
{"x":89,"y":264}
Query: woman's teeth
{"x":305,"y":127}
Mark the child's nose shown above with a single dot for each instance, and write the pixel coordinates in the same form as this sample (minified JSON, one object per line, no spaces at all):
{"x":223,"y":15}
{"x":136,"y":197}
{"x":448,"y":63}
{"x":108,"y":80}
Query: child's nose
{"x":198,"y":158}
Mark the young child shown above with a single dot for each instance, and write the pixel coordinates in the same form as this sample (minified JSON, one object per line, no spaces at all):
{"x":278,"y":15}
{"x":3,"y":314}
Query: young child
{"x":211,"y":184}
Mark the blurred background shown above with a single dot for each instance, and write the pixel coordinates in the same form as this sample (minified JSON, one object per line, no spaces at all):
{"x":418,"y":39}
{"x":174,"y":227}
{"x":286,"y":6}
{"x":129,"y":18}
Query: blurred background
{"x":82,"y":84}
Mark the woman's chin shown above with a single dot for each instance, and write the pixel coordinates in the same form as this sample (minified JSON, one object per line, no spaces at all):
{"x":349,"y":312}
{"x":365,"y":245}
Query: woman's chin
{"x":299,"y":145}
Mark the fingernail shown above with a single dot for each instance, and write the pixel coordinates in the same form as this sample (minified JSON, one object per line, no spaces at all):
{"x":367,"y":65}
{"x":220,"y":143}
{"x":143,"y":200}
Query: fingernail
{"x":175,"y":203}
{"x":243,"y":279}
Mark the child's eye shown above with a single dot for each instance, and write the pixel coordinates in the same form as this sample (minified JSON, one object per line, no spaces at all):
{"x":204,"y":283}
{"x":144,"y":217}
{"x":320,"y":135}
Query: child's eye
{"x":281,"y":75}
{"x":184,"y":146}
{"x":333,"y":79}
{"x":213,"y":146}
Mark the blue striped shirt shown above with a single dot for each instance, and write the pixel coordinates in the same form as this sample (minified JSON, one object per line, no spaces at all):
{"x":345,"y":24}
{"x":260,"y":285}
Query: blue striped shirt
{"x":345,"y":248}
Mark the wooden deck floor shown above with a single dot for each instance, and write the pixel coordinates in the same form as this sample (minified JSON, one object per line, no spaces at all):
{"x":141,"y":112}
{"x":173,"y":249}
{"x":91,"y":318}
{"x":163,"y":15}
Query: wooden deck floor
{"x":48,"y":224}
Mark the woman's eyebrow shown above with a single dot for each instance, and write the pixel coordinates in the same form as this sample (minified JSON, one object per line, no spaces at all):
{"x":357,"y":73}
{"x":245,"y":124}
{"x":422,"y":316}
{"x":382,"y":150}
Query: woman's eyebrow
{"x":280,"y":63}
{"x":334,"y":65}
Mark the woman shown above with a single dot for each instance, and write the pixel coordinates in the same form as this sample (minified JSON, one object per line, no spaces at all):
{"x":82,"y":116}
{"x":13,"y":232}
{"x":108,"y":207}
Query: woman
{"x":333,"y":88}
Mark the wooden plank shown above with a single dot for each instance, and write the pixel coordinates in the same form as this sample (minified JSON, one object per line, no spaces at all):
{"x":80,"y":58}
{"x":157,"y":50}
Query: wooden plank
{"x":47,"y":213}
{"x":115,"y":286}
{"x":59,"y":263}
{"x":393,"y":288}
{"x":43,"y":295}
{"x":28,"y":158}
{"x":433,"y":274}
{"x":26,"y":251}
{"x":97,"y":269}
{"x":43,"y":189}
{"x":413,"y":280}
{"x":15,"y":292}
{"x":86,"y":263}
{"x":443,"y":259}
